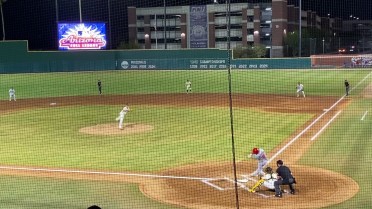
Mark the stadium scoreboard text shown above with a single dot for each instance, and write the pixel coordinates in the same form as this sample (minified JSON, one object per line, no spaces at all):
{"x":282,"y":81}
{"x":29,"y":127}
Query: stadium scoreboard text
{"x":207,"y":64}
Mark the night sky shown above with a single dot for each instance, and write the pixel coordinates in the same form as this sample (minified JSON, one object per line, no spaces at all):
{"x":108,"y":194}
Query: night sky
{"x":35,"y":20}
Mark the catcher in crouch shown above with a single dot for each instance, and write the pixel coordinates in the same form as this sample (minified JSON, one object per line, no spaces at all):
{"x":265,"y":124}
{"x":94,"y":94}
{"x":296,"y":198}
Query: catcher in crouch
{"x":267,"y":180}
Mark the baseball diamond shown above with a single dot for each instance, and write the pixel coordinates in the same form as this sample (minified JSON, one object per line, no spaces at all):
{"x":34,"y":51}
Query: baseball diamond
{"x":193,"y":192}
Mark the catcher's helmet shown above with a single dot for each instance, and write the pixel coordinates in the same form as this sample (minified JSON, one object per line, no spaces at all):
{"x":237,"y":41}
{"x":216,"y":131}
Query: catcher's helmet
{"x":268,"y":170}
{"x":255,"y":151}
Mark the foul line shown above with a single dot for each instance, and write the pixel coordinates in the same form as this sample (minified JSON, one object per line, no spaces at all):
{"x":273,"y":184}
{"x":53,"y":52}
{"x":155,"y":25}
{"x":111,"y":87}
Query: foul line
{"x":103,"y":173}
{"x":302,"y":132}
{"x":364,"y":115}
{"x":361,"y":81}
{"x":213,"y":185}
{"x":325,"y":126}
{"x":314,"y":122}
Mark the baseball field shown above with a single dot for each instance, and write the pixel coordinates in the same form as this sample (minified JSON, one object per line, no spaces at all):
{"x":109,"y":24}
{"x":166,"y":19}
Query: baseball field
{"x":60,"y":146}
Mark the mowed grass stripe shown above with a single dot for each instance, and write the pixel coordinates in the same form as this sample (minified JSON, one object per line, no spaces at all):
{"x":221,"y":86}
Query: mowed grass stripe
{"x":316,"y":82}
{"x":50,"y":137}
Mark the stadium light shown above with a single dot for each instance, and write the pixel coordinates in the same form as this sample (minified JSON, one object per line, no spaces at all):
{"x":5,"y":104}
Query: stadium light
{"x":2,"y":17}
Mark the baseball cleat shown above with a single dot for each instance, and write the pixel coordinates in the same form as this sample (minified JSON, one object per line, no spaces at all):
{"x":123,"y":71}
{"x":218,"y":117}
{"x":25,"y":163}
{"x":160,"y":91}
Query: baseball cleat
{"x":278,"y":195}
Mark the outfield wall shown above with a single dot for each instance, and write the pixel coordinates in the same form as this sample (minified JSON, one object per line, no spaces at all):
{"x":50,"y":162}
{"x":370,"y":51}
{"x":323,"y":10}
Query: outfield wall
{"x":15,"y":58}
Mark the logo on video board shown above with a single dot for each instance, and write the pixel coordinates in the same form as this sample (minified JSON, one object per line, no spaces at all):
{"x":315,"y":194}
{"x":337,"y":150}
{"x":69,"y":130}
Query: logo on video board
{"x":81,"y":36}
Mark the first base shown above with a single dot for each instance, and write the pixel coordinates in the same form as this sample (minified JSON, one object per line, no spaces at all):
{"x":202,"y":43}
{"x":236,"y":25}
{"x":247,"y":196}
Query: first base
{"x":53,"y":103}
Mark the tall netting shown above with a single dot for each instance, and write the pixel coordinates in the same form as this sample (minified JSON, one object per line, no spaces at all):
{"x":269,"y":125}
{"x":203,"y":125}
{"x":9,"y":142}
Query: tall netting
{"x":185,"y":104}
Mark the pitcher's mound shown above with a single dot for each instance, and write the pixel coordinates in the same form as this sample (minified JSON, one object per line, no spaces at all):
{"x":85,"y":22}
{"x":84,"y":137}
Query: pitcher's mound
{"x":113,"y":129}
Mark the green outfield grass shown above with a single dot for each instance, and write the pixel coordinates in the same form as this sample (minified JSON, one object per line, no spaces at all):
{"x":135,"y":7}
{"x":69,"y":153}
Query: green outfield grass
{"x":144,"y":82}
{"x":49,"y":137}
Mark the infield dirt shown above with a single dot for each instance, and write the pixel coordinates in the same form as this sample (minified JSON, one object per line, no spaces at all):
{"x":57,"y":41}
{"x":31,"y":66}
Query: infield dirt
{"x":316,"y":187}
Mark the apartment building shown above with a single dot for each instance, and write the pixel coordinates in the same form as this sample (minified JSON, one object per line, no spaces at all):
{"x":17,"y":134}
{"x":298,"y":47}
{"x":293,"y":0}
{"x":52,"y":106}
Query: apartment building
{"x":205,"y":26}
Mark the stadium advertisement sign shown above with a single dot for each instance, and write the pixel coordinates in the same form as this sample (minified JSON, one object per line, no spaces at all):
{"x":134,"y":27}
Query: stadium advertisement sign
{"x":81,"y":36}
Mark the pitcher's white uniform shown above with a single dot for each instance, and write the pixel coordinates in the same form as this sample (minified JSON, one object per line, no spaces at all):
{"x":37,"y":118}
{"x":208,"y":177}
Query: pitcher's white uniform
{"x":260,"y":155}
{"x":121,"y":117}
{"x":12,"y":94}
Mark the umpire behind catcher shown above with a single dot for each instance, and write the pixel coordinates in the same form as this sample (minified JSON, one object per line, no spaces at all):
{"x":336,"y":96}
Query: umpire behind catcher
{"x":284,"y":178}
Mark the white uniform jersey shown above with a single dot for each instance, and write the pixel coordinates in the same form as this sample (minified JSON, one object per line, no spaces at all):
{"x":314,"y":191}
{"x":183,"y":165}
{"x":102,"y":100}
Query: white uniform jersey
{"x":300,"y":87}
{"x":188,"y":84}
{"x":269,"y":180}
{"x":123,"y":112}
{"x":11,"y":91}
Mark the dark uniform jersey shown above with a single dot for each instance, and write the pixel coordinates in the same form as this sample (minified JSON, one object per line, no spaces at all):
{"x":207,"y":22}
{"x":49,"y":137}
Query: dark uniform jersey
{"x":285,"y":173}
{"x":346,"y":84}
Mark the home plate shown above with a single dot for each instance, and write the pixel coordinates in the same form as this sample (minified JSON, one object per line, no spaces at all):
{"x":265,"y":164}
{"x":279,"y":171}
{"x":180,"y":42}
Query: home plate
{"x":325,"y":110}
{"x":53,"y":103}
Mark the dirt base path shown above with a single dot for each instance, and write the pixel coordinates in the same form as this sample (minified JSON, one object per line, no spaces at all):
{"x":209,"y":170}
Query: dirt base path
{"x":316,"y":187}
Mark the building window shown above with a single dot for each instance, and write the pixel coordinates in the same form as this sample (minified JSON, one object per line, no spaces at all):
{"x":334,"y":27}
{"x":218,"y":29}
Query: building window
{"x":140,"y":29}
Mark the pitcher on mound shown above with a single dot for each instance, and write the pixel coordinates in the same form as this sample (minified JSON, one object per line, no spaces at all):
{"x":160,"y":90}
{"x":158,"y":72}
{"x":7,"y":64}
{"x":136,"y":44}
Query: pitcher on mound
{"x":121,"y":116}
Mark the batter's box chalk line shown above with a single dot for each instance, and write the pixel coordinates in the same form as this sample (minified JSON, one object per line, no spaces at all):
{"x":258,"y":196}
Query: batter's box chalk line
{"x":231,"y":182}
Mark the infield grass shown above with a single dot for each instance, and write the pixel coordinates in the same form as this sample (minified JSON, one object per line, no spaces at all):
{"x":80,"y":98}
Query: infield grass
{"x":50,"y":137}
{"x":48,"y":193}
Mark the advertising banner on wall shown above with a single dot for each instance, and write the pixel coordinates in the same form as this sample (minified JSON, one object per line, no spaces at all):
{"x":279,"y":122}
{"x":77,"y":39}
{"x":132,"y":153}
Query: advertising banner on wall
{"x":81,"y":36}
{"x":198,"y":26}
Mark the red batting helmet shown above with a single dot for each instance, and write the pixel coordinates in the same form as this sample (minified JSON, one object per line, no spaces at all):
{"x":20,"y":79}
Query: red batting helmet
{"x":255,"y":151}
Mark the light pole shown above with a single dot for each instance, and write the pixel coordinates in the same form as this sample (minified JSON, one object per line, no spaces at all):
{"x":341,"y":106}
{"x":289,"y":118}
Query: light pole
{"x":81,"y":19}
{"x":147,"y":41}
{"x":2,"y":17}
{"x":165,"y":25}
{"x":299,"y":28}
{"x":56,"y":5}
{"x":109,"y":21}
{"x":183,"y":40}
